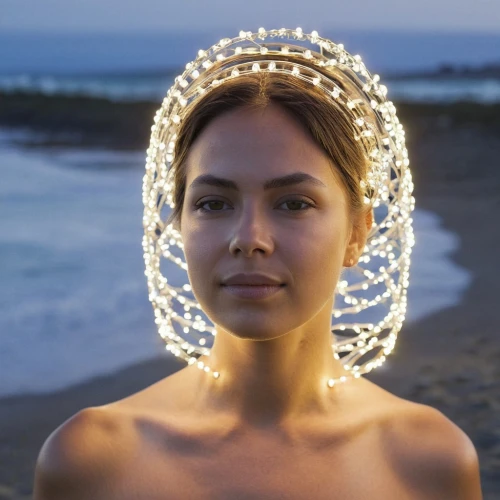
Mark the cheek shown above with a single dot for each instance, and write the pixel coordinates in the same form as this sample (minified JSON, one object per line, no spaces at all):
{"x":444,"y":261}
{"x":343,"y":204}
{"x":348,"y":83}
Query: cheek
{"x":201,"y":255}
{"x":317,"y":257}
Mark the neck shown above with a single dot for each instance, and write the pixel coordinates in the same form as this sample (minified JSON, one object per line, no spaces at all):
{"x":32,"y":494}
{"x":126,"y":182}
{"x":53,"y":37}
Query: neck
{"x":264,"y":383}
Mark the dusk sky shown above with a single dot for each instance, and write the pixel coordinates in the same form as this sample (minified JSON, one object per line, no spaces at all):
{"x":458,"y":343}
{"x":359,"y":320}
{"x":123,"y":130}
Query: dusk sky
{"x":184,"y":15}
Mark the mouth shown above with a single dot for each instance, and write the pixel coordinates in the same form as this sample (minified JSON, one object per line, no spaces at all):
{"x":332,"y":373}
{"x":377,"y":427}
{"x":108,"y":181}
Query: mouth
{"x":252,"y":291}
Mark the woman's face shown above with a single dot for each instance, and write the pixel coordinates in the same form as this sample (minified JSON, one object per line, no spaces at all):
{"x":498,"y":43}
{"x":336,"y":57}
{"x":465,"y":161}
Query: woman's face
{"x":297,"y":233}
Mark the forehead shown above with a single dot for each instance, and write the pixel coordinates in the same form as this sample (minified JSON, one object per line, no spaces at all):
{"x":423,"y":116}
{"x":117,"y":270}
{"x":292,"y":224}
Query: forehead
{"x":257,"y":143}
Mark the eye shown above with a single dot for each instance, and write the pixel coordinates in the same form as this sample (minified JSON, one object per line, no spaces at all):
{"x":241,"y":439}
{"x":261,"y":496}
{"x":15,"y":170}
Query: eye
{"x":201,"y":208}
{"x":295,"y":202}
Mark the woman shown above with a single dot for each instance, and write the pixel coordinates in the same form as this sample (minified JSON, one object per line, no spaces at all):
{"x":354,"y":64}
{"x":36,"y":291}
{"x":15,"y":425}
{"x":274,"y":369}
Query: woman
{"x":273,"y":198}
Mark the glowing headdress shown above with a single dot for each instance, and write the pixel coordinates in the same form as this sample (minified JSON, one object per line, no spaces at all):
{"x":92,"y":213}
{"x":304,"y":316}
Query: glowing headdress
{"x":371,"y":303}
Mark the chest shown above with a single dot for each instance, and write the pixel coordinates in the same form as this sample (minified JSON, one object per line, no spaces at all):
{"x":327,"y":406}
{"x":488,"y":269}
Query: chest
{"x":255,"y":467}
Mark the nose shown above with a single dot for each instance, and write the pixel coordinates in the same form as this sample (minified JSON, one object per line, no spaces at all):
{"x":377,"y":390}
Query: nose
{"x":252,"y":232}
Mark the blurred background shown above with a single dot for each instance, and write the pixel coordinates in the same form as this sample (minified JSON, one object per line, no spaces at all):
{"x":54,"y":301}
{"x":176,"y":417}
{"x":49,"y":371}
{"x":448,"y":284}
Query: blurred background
{"x":79,"y":86}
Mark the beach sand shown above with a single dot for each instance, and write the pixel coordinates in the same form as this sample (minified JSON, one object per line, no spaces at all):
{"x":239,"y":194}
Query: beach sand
{"x":449,"y":360}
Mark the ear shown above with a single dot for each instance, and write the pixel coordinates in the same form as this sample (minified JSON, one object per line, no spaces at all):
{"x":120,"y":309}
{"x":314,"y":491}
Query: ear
{"x":359,"y":234}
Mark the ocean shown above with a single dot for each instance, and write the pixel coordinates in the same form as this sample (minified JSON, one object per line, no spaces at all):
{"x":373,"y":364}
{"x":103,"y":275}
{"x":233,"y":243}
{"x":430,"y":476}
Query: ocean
{"x":142,"y":66}
{"x":74,"y":301}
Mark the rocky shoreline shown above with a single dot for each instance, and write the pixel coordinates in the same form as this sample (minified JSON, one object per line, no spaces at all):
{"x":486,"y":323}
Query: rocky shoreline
{"x":82,"y":121}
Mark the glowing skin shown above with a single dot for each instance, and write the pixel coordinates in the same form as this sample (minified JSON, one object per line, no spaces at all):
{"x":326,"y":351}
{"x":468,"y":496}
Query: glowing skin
{"x":274,"y":354}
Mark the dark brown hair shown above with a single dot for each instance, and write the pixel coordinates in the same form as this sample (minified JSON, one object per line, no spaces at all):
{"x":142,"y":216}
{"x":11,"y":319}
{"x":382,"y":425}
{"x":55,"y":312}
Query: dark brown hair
{"x":327,"y":124}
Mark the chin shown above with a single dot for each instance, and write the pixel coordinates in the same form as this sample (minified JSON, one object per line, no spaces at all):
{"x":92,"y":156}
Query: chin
{"x":243,"y":326}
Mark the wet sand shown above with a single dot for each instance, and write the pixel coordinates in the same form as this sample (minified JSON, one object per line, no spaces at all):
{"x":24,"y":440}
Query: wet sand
{"x":449,"y":360}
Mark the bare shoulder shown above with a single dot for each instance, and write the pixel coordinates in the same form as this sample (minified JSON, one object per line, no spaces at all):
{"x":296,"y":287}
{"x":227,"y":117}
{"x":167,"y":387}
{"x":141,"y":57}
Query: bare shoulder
{"x":429,"y":451}
{"x":81,"y":457}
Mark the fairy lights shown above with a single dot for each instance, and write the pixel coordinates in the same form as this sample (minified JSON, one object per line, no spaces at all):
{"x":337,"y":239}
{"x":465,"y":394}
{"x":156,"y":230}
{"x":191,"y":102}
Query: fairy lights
{"x":371,"y":299}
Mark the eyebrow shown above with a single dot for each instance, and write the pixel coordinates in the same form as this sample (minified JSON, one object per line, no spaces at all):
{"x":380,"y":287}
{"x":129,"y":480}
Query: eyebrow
{"x":277,"y":182}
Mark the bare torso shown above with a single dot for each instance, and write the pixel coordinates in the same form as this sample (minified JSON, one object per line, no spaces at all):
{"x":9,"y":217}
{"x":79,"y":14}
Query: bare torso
{"x":165,"y":452}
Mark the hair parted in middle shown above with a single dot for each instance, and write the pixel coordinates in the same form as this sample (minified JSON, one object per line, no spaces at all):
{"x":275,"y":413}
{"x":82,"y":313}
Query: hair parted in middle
{"x":328,"y":125}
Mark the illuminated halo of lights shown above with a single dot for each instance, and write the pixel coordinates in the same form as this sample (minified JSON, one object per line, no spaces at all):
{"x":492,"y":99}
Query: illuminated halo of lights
{"x":371,"y":300}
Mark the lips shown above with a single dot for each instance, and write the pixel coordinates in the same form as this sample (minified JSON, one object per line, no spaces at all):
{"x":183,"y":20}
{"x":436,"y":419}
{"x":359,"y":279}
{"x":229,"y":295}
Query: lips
{"x":252,"y":291}
{"x":252,"y":279}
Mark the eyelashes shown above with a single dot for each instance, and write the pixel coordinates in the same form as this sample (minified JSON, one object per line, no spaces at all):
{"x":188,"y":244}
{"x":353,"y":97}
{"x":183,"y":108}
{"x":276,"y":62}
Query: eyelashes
{"x":200,"y":206}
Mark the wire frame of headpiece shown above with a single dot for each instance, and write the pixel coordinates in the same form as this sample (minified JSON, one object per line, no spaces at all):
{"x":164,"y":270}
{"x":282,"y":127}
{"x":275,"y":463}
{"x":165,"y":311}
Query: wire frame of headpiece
{"x":371,"y":297}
